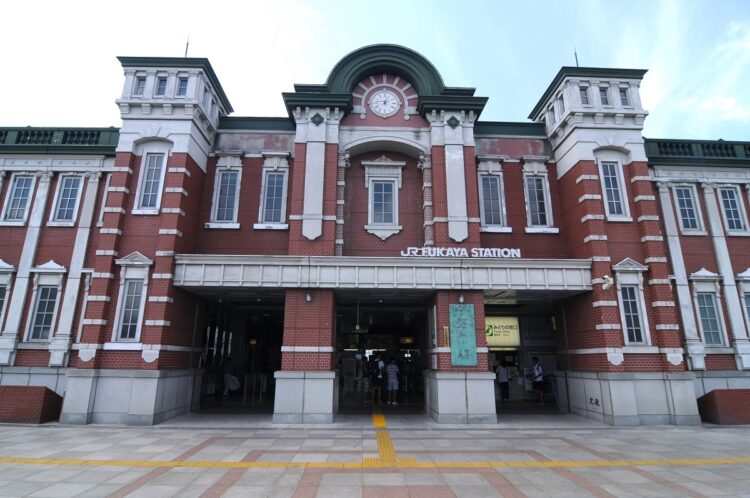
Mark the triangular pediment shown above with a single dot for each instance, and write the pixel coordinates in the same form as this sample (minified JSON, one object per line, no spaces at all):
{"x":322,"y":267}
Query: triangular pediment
{"x":704,"y":274}
{"x":49,"y":267}
{"x":745,"y":275}
{"x":134,"y":259}
{"x":628,"y":264}
{"x":6,"y":267}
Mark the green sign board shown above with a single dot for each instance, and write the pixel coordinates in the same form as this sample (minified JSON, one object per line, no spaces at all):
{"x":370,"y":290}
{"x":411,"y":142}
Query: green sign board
{"x":463,"y":335}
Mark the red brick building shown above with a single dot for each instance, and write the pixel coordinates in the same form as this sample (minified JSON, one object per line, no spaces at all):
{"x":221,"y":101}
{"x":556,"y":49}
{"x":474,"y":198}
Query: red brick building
{"x":148,"y":271}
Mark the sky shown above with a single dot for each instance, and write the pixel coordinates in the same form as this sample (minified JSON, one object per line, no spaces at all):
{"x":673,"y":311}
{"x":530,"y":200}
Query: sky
{"x":60,"y":67}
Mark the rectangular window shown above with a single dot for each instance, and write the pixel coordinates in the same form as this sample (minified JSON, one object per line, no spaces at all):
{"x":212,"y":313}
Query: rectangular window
{"x":709,"y":317}
{"x":492,"y":210}
{"x":226,"y":196}
{"x":151,"y":181}
{"x":67,"y":198}
{"x":131,"y":309}
{"x":624,"y":99}
{"x":631,"y":310}
{"x":18,"y":201}
{"x":603,"y":95}
{"x":536,"y":195}
{"x":161,"y":85}
{"x":732,"y":210}
{"x":44,"y":310}
{"x":686,"y":205}
{"x":382,"y":202}
{"x":140,"y":85}
{"x":274,"y":198}
{"x":3,"y":290}
{"x":584,"y":95}
{"x":182,"y":87}
{"x":611,"y":180}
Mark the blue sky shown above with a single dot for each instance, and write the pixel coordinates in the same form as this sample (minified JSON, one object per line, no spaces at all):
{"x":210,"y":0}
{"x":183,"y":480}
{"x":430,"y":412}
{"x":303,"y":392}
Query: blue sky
{"x":60,"y":67}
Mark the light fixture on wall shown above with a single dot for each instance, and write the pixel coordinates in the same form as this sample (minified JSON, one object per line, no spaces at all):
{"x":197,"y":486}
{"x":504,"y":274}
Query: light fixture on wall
{"x":461,"y":298}
{"x":461,"y":275}
{"x":308,"y":297}
{"x":356,"y":327}
{"x":607,"y":282}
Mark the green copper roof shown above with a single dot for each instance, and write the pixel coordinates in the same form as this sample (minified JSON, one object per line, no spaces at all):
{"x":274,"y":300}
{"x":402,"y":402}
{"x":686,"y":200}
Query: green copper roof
{"x":78,"y":141}
{"x":584,"y":72}
{"x":384,"y":58}
{"x":673,"y":152}
{"x":181,"y":62}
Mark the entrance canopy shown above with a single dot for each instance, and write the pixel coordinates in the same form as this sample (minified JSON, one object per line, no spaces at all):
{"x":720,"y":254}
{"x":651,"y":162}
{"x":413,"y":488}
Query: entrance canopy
{"x":564,"y":277}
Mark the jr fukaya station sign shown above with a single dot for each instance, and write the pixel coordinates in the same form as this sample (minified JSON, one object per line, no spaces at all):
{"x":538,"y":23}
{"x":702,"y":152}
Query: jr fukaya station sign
{"x":462,"y":252}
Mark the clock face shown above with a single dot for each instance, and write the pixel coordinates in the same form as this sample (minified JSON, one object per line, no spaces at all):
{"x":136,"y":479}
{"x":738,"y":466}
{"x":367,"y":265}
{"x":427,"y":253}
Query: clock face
{"x":384,"y":103}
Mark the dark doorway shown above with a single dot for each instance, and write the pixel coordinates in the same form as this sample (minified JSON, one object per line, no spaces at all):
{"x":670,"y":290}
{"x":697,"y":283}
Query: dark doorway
{"x":378,"y":327}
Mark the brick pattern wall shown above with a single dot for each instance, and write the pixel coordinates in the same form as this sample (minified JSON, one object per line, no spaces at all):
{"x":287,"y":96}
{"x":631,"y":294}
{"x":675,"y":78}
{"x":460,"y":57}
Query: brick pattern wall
{"x":308,"y":324}
{"x":29,"y":404}
{"x":725,"y":406}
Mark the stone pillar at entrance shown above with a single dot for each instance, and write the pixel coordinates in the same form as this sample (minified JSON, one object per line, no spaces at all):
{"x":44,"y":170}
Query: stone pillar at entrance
{"x":459,"y":393}
{"x":307,"y":385}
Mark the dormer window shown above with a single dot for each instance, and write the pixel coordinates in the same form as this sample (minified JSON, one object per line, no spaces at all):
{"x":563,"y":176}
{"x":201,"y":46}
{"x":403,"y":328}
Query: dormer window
{"x":161,"y":86}
{"x":182,"y":84}
{"x":603,"y":95}
{"x":624,"y":99}
{"x":140,"y":85}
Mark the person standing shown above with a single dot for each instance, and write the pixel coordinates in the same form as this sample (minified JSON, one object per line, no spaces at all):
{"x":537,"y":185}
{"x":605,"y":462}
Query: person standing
{"x":392,"y":372}
{"x":503,"y":379}
{"x":366,"y":384}
{"x":378,"y":379}
{"x":538,"y":377}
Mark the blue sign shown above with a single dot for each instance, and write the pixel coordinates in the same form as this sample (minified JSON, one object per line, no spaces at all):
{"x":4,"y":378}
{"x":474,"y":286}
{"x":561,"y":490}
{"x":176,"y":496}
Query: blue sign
{"x":463,"y":335}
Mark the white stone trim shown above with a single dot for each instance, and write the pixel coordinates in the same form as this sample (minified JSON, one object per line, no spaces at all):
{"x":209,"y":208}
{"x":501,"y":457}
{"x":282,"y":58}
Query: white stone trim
{"x":157,"y":323}
{"x":173,"y":211}
{"x":160,"y":299}
{"x":590,"y":238}
{"x":122,"y":190}
{"x":659,"y":281}
{"x":170,"y":231}
{"x":162,"y":276}
{"x":663,"y":304}
{"x":667,"y":326}
{"x":590,"y":217}
{"x":641,"y":198}
{"x":113,"y":231}
{"x":106,"y":252}
{"x":103,"y":299}
{"x":102,"y":275}
{"x":176,"y":190}
{"x":94,"y":321}
{"x":117,"y":210}
{"x":597,"y":304}
{"x":582,"y":178}
{"x":608,"y":326}
{"x":165,"y":253}
{"x":183,"y":171}
{"x":652,"y":238}
{"x":648,"y":217}
{"x":306,"y":349}
{"x":655,"y":259}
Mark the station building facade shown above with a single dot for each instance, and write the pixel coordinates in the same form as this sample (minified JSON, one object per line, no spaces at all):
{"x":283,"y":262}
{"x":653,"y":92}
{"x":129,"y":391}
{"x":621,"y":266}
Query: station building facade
{"x":140,"y":264}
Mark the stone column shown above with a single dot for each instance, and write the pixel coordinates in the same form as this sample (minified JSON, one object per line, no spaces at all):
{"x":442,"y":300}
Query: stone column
{"x":459,"y":393}
{"x":307,"y":384}
{"x":731,"y":296}
{"x":9,"y":337}
{"x":60,"y":344}
{"x":696,"y":352}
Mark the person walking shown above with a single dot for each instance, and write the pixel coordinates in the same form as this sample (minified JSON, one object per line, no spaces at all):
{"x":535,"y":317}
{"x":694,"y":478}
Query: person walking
{"x":538,"y":377}
{"x":392,"y":372}
{"x":503,"y":379}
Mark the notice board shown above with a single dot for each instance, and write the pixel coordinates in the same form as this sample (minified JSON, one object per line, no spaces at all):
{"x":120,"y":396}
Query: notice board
{"x":463,"y":335}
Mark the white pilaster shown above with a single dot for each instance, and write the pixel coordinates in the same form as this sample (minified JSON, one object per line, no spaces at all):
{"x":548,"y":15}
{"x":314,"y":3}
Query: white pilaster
{"x":695,"y":349}
{"x":60,"y":345}
{"x":731,"y":296}
{"x":455,"y":177}
{"x":9,"y":336}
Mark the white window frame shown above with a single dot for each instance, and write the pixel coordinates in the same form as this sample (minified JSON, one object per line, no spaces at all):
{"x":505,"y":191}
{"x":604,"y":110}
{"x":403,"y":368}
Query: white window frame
{"x":6,"y":278}
{"x":628,"y":97}
{"x":624,"y":196}
{"x":604,"y":89}
{"x":383,"y":169}
{"x":135,"y":266}
{"x":536,"y":167}
{"x":49,"y":274}
{"x":181,"y":77}
{"x":492,"y":167}
{"x":584,"y":90}
{"x":149,"y":149}
{"x":274,"y":162}
{"x":741,"y":207}
{"x":705,"y":281}
{"x":53,"y":220}
{"x":630,"y":273}
{"x":136,"y":78}
{"x":743,"y":283}
{"x":224,"y":165}
{"x":9,"y":195}
{"x":156,"y":85}
{"x":701,"y":230}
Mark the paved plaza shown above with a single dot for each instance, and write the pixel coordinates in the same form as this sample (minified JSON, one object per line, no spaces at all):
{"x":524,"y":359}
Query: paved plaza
{"x":371,"y":456}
